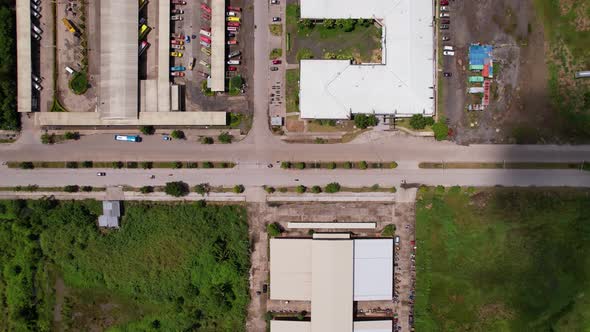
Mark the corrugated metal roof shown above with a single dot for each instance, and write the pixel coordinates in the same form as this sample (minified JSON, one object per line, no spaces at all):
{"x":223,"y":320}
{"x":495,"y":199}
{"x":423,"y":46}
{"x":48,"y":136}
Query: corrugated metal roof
{"x":373,"y":269}
{"x":217,"y":45}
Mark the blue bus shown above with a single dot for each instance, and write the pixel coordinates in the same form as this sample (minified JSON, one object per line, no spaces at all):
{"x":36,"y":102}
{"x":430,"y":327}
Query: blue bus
{"x":128,"y":138}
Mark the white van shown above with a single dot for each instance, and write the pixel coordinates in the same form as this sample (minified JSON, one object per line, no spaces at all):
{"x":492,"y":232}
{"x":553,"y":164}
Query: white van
{"x":449,"y":53}
{"x":37,"y":30}
{"x":232,"y":14}
{"x":233,"y":62}
{"x":70,"y":70}
{"x":448,"y":48}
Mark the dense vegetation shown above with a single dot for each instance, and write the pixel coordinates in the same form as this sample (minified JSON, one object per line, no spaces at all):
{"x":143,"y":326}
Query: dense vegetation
{"x":9,"y":119}
{"x":170,"y":267}
{"x":503,"y":260}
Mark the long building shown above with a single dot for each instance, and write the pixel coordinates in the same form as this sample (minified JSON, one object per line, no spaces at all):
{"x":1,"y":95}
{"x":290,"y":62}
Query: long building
{"x":402,"y":85}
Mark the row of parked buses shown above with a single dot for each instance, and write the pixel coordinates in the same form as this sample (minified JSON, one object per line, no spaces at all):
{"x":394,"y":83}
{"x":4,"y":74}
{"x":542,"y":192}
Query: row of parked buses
{"x":233,"y":22}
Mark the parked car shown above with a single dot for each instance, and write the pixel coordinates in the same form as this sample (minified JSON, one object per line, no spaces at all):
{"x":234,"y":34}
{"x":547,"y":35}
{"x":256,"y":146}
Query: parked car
{"x":177,"y":74}
{"x":274,"y":68}
{"x":233,"y":24}
{"x":37,"y":86}
{"x":276,"y":19}
{"x":207,"y":45}
{"x":448,"y":48}
{"x":177,"y":11}
{"x":176,"y":54}
{"x":231,"y":13}
{"x":191,"y":64}
{"x":445,"y":15}
{"x":231,"y":34}
{"x":232,"y":42}
{"x":177,"y":42}
{"x":444,"y":8}
{"x":177,"y":47}
{"x":178,"y":2}
{"x":446,"y":38}
{"x":176,"y":18}
{"x":101,"y":174}
{"x":206,"y":8}
{"x":444,"y":26}
{"x":274,"y":2}
{"x":234,"y":53}
{"x":233,"y":62}
{"x":232,"y":68}
{"x":235,"y":9}
{"x":445,"y":21}
{"x":166,"y":138}
{"x":35,"y":14}
{"x":449,"y":53}
{"x":177,"y":68}
{"x":447,"y":74}
{"x":276,"y":62}
{"x":397,"y":240}
{"x":444,"y":2}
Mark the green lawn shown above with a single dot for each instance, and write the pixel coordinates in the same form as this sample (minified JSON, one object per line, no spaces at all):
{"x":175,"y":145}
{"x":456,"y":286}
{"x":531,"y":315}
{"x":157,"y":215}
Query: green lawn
{"x":503,"y":260}
{"x":292,"y":90}
{"x":172,"y":267}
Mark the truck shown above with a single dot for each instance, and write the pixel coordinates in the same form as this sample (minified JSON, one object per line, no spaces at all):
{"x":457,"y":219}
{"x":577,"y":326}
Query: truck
{"x":205,"y":39}
{"x":232,"y":19}
{"x":69,"y":26}
{"x":128,"y":138}
{"x":234,"y":53}
{"x":143,"y":31}
{"x":205,"y":33}
{"x":232,"y":42}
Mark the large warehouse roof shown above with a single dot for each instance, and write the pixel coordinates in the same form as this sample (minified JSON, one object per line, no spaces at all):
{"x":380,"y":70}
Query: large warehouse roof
{"x":290,"y":269}
{"x":217,"y":45}
{"x":373,"y":268}
{"x":118,"y":97}
{"x":23,"y":56}
{"x":402,"y":84}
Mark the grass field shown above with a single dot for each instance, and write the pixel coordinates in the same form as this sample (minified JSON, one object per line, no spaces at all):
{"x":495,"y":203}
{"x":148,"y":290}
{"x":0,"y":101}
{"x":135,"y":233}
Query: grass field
{"x":292,"y":90}
{"x":171,"y":267}
{"x":567,"y":31}
{"x":503,"y":260}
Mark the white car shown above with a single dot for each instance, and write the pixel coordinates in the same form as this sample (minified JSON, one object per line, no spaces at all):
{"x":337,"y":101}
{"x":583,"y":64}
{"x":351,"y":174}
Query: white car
{"x":448,"y":48}
{"x":444,"y":8}
{"x":449,"y":53}
{"x":445,"y":15}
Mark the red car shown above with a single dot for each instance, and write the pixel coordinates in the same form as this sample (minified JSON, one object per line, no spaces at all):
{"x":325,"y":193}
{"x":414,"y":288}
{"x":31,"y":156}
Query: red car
{"x":232,"y":42}
{"x":235,"y":9}
{"x":276,"y":62}
{"x":177,"y":73}
{"x":206,"y":8}
{"x":205,"y":39}
{"x":232,"y":68}
{"x":233,"y":24}
{"x":444,"y":2}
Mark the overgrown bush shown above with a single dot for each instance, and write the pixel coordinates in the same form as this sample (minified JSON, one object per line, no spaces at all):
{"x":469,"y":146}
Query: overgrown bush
{"x":316,"y":189}
{"x":202,"y":189}
{"x":206,"y":140}
{"x":285,"y":165}
{"x":87,"y":164}
{"x":333,"y":187}
{"x":87,"y":188}
{"x":148,"y":130}
{"x":238,"y":189}
{"x":273,"y":229}
{"x":146,"y":189}
{"x":26,"y":165}
{"x":176,"y":189}
{"x":300,"y":189}
{"x":363,"y":121}
{"x":441,"y":131}
{"x":177,"y":134}
{"x":225,"y":138}
{"x":71,"y":188}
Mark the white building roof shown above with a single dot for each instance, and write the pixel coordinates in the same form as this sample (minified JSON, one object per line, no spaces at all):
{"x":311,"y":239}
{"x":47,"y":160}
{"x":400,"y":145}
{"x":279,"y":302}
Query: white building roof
{"x":290,"y":269}
{"x":373,"y":326}
{"x":217,"y":45}
{"x":373,"y":269}
{"x":118,"y":97}
{"x":289,"y":326}
{"x":402,"y":84}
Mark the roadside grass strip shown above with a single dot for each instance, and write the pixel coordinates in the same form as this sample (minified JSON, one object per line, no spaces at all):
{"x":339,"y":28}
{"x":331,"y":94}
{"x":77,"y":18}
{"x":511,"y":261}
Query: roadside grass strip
{"x":357,"y":165}
{"x":120,"y":164}
{"x":505,"y":165}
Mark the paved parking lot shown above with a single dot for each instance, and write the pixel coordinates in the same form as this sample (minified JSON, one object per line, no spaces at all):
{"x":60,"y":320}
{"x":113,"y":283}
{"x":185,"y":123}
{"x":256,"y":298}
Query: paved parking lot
{"x":276,"y":82}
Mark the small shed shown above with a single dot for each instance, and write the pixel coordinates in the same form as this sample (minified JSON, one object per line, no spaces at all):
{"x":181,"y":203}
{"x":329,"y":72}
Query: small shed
{"x":111,"y":211}
{"x":276,"y":121}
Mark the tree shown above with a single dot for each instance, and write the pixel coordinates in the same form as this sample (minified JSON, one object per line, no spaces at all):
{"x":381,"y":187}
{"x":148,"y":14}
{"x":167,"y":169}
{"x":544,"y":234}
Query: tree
{"x":71,"y":188}
{"x":72,"y":164}
{"x":146,"y":189}
{"x":206,"y":140}
{"x":268,"y":316}
{"x":388,"y":231}
{"x":316,"y":189}
{"x":87,"y":188}
{"x":348,"y":165}
{"x":417,"y":121}
{"x":26,"y":165}
{"x":207,"y":164}
{"x":132,"y":164}
{"x":300,"y":165}
{"x":238,"y":189}
{"x":332,"y":165}
{"x":177,"y":134}
{"x":177,"y":164}
{"x":363,"y":165}
{"x":71,"y":135}
{"x":192,"y":164}
{"x":48,"y":138}
{"x":202,"y":189}
{"x":363,"y":121}
{"x":148,"y":130}
{"x":225,"y":137}
{"x":117,"y":164}
{"x":441,"y":131}
{"x":301,"y":315}
{"x":87,"y":164}
{"x":333,"y":187}
{"x":300,"y":189}
{"x":79,"y":83}
{"x":273,"y":229}
{"x":285,"y":165}
{"x":176,"y":189}
{"x":329,"y":23}
{"x":269,"y":190}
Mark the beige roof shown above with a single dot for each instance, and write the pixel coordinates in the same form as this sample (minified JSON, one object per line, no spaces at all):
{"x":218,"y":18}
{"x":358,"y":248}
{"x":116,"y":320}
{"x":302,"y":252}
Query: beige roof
{"x":331,"y":235}
{"x":23,"y":56}
{"x":290,"y":269}
{"x":333,"y":225}
{"x":118,"y":96}
{"x":373,"y":326}
{"x":289,"y":326}
{"x":332,"y":286}
{"x":149,"y":95}
{"x":164,"y":56}
{"x":217,"y":45}
{"x":145,"y":118}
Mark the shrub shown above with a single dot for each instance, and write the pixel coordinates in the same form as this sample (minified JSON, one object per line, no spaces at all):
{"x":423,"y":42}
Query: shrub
{"x":393,"y":190}
{"x":71,"y":188}
{"x":206,"y":140}
{"x":363,"y":121}
{"x":176,"y":189}
{"x":202,"y":189}
{"x":177,"y":164}
{"x":332,"y":165}
{"x":225,"y":138}
{"x":273,"y":229}
{"x":300,"y":189}
{"x":71,"y":135}
{"x":306,"y":24}
{"x":346,"y":24}
{"x":304,"y":53}
{"x":375,"y":187}
{"x":146,"y":164}
{"x":300,"y":165}
{"x":31,"y":187}
{"x":238,"y":189}
{"x":192,"y":164}
{"x":348,"y":165}
{"x":132,"y":164}
{"x":316,"y":189}
{"x":79,"y":83}
{"x":146,"y":189}
{"x":301,"y":315}
{"x":329,"y":23}
{"x":268,"y":316}
{"x":310,"y":232}
{"x":388,"y":231}
{"x":283,"y":190}
{"x":48,"y":138}
{"x":269,"y":190}
{"x":418,"y":121}
{"x":72,"y":164}
{"x":441,"y":131}
{"x":392,"y":165}
{"x":285,"y":165}
{"x":177,"y":134}
{"x":148,"y":130}
{"x":27,"y":165}
{"x":87,"y":188}
{"x":117,"y":164}
{"x":87,"y":164}
{"x":224,"y":165}
{"x":276,"y":53}
{"x":363,"y":165}
{"x":333,"y":187}
{"x":207,"y":164}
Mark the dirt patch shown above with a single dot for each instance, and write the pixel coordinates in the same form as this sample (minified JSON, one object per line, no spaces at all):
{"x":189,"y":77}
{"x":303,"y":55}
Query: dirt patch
{"x":582,"y":21}
{"x":293,"y":124}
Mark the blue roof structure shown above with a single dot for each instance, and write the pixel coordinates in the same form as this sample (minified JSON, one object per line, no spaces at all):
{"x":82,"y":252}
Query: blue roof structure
{"x":479,"y":53}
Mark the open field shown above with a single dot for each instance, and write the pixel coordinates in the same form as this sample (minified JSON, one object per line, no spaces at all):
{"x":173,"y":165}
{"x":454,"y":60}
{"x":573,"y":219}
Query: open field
{"x":171,"y":267}
{"x":502,"y":259}
{"x":363,"y":43}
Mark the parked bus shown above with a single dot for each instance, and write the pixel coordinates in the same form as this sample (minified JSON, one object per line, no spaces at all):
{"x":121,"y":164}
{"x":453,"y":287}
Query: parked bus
{"x":128,"y":138}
